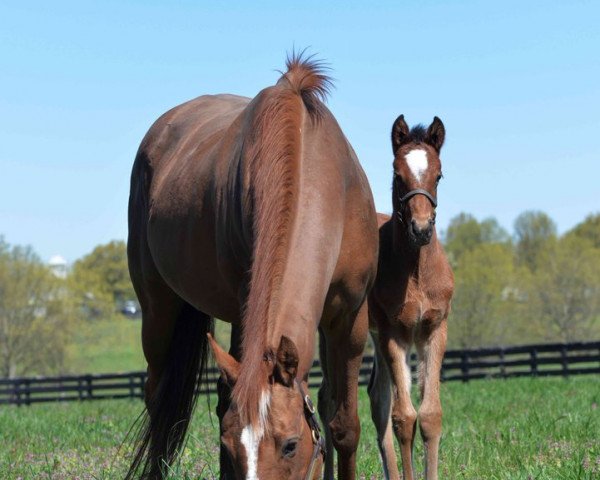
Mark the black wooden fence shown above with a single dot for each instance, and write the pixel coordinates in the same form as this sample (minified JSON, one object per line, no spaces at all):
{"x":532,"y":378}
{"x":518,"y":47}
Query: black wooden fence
{"x":528,"y":360}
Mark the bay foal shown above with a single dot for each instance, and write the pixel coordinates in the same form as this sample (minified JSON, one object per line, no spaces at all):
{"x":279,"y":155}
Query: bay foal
{"x":410,"y":302}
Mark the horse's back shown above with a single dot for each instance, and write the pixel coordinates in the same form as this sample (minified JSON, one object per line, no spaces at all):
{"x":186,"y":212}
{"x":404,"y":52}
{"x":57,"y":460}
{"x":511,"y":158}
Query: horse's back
{"x":190,"y":126}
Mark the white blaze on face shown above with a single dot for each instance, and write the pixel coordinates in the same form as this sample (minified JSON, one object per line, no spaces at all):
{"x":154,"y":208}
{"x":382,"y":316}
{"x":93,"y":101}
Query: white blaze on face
{"x":417,"y":162}
{"x":251,"y":438}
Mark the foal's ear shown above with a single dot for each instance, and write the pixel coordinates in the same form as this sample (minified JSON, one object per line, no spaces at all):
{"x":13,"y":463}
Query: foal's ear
{"x":286,"y":366}
{"x":436,"y":134}
{"x":399,"y":133}
{"x":229,"y":366}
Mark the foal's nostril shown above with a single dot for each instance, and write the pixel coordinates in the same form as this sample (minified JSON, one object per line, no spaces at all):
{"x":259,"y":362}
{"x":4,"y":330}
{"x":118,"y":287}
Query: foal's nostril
{"x":421,"y":228}
{"x":422,"y":231}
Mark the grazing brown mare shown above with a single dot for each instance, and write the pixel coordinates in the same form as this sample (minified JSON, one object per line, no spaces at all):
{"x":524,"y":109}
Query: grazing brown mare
{"x":256,"y":212}
{"x":410,"y":303}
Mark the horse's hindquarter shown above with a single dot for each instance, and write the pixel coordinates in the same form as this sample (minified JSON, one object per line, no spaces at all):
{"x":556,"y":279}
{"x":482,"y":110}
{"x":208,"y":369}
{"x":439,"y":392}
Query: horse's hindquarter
{"x":183,"y":157}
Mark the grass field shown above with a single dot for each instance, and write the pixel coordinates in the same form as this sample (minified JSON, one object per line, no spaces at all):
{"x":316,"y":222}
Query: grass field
{"x":114,"y":345}
{"x":107,"y":346}
{"x":497,"y":429}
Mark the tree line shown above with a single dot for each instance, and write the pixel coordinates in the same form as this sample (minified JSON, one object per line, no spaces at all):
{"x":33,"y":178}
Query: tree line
{"x":531,"y":285}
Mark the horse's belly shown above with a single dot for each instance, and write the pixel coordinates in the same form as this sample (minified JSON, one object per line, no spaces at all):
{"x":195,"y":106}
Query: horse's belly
{"x":186,"y":258}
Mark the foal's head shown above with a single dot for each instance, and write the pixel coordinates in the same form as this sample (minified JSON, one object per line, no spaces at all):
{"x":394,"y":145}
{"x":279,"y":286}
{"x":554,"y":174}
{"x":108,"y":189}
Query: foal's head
{"x":417,"y":172}
{"x":285,"y":441}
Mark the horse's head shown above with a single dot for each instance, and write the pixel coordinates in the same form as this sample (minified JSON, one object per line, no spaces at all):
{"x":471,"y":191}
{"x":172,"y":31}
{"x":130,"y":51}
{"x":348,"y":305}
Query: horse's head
{"x":417,"y":171}
{"x":284,"y":441}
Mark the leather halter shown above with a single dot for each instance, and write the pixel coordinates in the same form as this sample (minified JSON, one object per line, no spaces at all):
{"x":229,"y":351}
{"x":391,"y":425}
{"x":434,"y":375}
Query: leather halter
{"x":315,"y":430}
{"x":409,"y":195}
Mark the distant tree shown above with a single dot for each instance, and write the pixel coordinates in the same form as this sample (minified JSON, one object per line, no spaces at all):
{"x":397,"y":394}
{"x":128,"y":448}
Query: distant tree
{"x":566,"y":290}
{"x":493,"y":232}
{"x":533,"y":231}
{"x":464,"y":233}
{"x":482,"y":280}
{"x":35,"y":314}
{"x":100,"y":280}
{"x":588,"y":229}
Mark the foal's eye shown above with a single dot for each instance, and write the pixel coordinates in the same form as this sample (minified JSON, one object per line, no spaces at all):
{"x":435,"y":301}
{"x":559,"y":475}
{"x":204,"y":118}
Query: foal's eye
{"x":439,"y":177}
{"x":289,"y":448}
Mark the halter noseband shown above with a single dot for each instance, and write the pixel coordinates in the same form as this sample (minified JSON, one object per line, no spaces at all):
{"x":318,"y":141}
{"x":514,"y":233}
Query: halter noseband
{"x":315,"y":431}
{"x":409,"y":195}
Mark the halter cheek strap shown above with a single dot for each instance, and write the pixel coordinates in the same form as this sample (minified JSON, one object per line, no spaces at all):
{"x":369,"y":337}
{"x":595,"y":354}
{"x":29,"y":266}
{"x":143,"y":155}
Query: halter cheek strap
{"x":315,"y":431}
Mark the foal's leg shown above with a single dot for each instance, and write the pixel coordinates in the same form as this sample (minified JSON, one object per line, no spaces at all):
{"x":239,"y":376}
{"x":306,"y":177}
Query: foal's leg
{"x":395,"y":342}
{"x":431,"y":345}
{"x":380,"y":394}
{"x":345,"y":344}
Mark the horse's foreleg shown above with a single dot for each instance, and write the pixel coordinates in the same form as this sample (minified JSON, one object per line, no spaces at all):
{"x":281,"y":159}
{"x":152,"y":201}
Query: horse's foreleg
{"x":325,"y":407}
{"x":226,"y":471}
{"x":395,"y":347}
{"x":345,"y":344}
{"x":380,"y":394}
{"x":431,"y":347}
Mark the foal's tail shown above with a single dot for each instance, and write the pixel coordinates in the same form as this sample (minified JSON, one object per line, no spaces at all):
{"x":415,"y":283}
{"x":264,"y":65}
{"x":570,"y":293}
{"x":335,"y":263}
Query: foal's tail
{"x":162,"y":430}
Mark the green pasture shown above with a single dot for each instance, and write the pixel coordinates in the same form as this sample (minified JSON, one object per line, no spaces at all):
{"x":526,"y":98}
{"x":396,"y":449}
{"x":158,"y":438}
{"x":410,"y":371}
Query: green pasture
{"x":499,"y":429}
{"x":114,"y":345}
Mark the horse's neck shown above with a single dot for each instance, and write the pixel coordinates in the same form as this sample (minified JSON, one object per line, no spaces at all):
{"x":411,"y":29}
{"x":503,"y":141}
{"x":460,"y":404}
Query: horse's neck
{"x":292,"y":264}
{"x":414,"y":261}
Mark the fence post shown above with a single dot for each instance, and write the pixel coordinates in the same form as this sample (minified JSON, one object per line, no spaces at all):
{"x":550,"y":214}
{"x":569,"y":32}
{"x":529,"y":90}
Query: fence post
{"x":27,"y":391}
{"x":464,"y":366}
{"x":17,"y":392}
{"x":502,"y":365}
{"x":564,"y":360}
{"x":534,"y":369}
{"x":88,"y":381}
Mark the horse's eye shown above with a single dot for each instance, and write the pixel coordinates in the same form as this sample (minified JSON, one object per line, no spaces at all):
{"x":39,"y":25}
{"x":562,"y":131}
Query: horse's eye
{"x":439,"y":177}
{"x":289,"y":448}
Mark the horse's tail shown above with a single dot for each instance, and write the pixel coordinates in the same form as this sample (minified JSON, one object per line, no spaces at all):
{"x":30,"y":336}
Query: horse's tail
{"x":161,"y":432}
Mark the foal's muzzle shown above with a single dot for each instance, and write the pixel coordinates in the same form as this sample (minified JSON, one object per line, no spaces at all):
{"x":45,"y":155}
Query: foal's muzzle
{"x":421,"y":232}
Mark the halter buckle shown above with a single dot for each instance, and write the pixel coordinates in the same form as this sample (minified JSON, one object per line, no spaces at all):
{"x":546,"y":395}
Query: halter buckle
{"x":309,"y":404}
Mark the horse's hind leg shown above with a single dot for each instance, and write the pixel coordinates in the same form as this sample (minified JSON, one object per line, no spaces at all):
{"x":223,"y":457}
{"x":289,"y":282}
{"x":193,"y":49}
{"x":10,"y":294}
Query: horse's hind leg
{"x":175,"y":345}
{"x":380,"y":394}
{"x":345,"y":344}
{"x":158,"y":322}
{"x":431,"y":345}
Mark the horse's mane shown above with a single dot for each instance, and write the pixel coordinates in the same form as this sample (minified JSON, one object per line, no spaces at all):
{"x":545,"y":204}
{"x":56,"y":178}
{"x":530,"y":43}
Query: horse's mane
{"x":272,"y":147}
{"x":417,"y":134}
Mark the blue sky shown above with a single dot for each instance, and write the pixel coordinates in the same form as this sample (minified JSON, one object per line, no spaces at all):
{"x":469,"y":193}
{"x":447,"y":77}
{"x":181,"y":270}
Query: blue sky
{"x":516,"y":84}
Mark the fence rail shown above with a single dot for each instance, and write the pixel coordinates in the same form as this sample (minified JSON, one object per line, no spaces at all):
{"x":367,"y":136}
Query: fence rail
{"x":558,"y":359}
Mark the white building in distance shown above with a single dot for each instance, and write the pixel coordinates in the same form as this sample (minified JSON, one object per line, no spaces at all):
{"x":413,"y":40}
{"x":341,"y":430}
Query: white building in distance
{"x":58,"y":266}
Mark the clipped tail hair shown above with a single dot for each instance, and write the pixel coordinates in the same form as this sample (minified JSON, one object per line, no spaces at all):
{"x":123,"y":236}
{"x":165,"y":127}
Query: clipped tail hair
{"x":161,"y":432}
